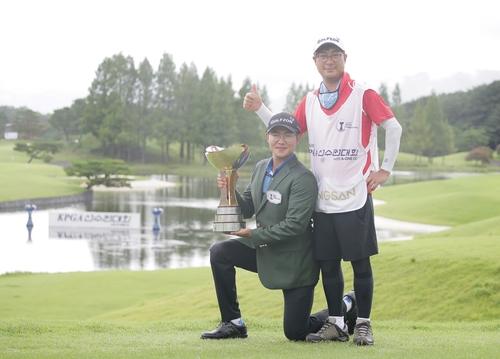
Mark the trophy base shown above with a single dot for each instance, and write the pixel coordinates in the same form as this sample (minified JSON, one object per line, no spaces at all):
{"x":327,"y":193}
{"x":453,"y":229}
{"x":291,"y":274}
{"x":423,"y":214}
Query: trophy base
{"x":228,"y":219}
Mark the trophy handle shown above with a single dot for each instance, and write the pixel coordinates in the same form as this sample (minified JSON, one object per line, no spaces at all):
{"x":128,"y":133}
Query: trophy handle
{"x":223,"y":191}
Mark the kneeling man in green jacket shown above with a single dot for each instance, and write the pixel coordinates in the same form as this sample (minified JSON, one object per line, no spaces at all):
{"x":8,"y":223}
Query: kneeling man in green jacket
{"x":282,"y":195}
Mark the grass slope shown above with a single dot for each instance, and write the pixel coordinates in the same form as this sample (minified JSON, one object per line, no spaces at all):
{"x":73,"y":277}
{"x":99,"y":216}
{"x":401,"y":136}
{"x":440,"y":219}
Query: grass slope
{"x":454,"y":162}
{"x":428,"y":279}
{"x":20,"y":180}
{"x":442,"y":202}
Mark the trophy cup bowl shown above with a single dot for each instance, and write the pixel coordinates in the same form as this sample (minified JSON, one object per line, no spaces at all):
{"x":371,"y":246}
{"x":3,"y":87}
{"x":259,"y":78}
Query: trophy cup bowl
{"x":227,"y":161}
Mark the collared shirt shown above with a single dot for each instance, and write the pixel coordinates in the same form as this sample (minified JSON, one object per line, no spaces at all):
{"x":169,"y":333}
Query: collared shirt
{"x":270,"y":174}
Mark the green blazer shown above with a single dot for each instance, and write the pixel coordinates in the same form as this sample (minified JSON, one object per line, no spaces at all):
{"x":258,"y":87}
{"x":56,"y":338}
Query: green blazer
{"x":283,"y":237}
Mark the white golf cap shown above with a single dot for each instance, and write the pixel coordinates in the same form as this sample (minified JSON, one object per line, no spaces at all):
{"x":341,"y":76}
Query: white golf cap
{"x":329,"y":40}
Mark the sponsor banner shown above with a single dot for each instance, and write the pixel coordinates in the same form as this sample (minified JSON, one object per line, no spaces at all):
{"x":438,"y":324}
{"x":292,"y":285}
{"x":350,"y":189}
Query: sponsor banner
{"x":94,"y":219}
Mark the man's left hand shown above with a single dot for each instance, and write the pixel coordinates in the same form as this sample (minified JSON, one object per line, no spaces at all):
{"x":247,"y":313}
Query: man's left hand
{"x":375,"y":179}
{"x":245,"y":233}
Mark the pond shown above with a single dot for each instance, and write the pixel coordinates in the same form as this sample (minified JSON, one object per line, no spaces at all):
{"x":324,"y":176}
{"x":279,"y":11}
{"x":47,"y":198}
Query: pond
{"x":183,"y":240}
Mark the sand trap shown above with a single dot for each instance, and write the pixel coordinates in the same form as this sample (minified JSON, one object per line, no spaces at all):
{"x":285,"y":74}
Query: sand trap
{"x":396,"y":225}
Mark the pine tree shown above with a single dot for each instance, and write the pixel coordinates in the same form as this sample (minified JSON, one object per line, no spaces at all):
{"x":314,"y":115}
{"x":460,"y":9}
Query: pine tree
{"x":419,"y":131}
{"x":440,"y":134}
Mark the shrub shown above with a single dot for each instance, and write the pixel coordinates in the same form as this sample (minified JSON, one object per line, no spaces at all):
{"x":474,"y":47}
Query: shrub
{"x":482,"y":153}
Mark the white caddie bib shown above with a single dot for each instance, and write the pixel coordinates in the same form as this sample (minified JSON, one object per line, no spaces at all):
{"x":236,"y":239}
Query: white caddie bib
{"x":337,"y":154}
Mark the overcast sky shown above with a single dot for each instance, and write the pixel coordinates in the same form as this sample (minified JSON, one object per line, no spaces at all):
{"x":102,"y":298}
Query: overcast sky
{"x":51,"y":49}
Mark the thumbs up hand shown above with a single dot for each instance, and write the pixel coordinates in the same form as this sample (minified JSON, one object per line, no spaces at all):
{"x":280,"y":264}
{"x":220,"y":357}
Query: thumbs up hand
{"x":252,"y":100}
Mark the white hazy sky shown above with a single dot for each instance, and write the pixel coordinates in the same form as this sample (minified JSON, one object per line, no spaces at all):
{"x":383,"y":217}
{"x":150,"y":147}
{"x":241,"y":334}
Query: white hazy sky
{"x":50,"y":50}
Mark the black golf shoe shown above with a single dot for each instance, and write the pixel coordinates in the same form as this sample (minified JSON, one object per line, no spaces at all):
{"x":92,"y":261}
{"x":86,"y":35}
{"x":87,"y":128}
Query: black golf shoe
{"x":227,"y":330}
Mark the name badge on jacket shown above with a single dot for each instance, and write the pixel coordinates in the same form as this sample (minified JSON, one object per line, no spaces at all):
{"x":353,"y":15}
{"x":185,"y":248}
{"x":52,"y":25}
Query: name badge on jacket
{"x":274,"y":197}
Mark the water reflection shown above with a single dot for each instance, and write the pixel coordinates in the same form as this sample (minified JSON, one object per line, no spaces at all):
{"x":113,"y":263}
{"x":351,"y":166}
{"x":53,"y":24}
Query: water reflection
{"x":183,"y":239}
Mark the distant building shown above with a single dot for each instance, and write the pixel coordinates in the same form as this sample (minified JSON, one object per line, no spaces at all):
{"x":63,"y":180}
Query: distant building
{"x":10,"y":133}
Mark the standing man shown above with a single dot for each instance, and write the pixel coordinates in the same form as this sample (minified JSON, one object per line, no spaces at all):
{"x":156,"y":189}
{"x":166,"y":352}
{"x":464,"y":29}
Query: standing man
{"x":282,"y":194}
{"x":341,"y":117}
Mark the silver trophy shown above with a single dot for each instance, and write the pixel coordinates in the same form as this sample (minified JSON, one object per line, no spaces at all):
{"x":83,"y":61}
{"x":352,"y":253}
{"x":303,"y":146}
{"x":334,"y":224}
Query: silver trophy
{"x":227,"y":161}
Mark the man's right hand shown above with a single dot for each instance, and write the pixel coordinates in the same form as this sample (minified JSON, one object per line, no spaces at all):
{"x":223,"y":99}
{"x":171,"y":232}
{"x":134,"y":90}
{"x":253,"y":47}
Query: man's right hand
{"x":252,"y":100}
{"x":221,"y":181}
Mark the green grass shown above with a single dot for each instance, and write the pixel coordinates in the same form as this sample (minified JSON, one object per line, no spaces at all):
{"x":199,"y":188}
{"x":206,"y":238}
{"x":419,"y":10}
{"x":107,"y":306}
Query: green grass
{"x":437,"y":296}
{"x":443,"y":202}
{"x":35,"y":181}
{"x":180,"y":339}
{"x":20,"y":180}
{"x":428,"y":279}
{"x":450,"y":163}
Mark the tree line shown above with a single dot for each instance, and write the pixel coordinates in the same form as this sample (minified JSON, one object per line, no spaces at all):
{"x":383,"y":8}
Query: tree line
{"x":129,"y":107}
{"x":438,"y":125}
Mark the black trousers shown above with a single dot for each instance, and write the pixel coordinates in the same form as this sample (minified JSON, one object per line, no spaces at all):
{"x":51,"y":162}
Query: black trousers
{"x":225,"y":256}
